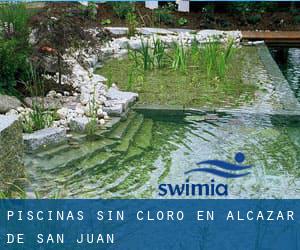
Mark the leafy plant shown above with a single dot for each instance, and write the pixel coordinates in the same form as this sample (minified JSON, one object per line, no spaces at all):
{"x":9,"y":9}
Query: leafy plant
{"x":254,"y":19}
{"x":217,"y":57}
{"x":92,"y":126}
{"x":182,"y":21}
{"x":297,"y":19}
{"x":180,"y":57}
{"x":122,"y":9}
{"x":131,"y":20}
{"x":14,"y":45}
{"x":106,"y":22}
{"x":164,"y":15}
{"x":159,"y":53}
{"x":38,"y":118}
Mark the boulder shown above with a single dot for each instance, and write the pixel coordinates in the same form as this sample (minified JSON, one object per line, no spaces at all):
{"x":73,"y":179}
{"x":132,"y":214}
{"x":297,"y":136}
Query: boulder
{"x":127,"y":97}
{"x":78,"y":124}
{"x":7,"y":103}
{"x":49,"y":102}
{"x":11,"y":152}
{"x":44,"y":137}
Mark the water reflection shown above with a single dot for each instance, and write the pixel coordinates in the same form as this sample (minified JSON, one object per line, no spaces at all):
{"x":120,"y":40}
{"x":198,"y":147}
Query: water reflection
{"x":288,"y":60}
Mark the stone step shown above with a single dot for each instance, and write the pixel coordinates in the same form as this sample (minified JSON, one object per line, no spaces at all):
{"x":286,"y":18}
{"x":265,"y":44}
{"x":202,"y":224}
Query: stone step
{"x":132,"y":153}
{"x":51,"y":152}
{"x":122,"y":128}
{"x":91,"y":164}
{"x":72,"y":157}
{"x":144,"y":136}
{"x":128,"y":138}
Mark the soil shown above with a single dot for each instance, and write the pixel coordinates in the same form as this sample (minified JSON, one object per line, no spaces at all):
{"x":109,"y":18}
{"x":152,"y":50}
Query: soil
{"x":281,"y":18}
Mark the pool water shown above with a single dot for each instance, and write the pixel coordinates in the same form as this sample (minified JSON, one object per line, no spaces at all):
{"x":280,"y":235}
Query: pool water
{"x":288,"y":60}
{"x":144,"y":151}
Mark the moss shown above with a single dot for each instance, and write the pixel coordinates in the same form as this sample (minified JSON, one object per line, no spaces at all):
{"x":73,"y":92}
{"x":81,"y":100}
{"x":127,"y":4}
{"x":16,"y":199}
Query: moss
{"x":193,"y":88}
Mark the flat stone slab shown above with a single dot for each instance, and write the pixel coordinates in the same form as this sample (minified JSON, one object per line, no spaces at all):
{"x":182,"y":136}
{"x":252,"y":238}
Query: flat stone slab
{"x":44,"y":137}
{"x":159,"y":31}
{"x":117,"y":30}
{"x":6,"y":121}
{"x":79,"y":124}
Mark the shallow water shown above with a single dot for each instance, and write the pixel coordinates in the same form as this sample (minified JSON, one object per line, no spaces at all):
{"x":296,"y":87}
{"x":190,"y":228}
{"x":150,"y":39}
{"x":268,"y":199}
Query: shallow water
{"x":156,"y":150}
{"x":288,"y":60}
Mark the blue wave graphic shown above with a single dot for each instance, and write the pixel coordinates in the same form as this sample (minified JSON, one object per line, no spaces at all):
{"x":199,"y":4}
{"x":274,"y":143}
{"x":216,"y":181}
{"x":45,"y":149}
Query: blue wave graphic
{"x":217,"y":172}
{"x":225,"y":165}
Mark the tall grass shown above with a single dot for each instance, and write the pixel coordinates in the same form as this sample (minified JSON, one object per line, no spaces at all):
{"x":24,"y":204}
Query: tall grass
{"x":39,"y":117}
{"x":216,"y":58}
{"x":179,"y":58}
{"x":159,"y":53}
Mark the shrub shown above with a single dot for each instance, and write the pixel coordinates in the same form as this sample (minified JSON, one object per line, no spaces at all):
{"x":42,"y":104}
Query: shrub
{"x":132,"y":23}
{"x":182,"y":21}
{"x":297,"y":19}
{"x":14,"y":45}
{"x":254,"y":19}
{"x":164,"y":15}
{"x":122,"y":9}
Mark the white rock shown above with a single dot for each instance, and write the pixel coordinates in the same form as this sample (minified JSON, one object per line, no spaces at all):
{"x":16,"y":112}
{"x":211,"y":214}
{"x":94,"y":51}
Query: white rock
{"x":62,"y":113}
{"x":102,"y":121}
{"x":12,"y":112}
{"x":51,"y":93}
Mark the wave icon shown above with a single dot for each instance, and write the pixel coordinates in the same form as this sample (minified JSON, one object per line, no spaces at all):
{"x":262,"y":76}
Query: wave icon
{"x":224,"y":167}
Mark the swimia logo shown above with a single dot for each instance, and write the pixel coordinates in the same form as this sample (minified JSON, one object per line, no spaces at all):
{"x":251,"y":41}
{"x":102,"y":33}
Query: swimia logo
{"x":215,"y":167}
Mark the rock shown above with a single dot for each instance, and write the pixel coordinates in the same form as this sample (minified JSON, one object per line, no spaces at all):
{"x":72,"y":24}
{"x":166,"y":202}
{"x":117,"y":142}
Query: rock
{"x":121,"y":97}
{"x":51,"y":93}
{"x":135,"y":44}
{"x":159,"y":31}
{"x":62,"y":113}
{"x":78,"y":124}
{"x":102,"y":121}
{"x":12,"y":112}
{"x":44,"y":138}
{"x":115,"y":110}
{"x":7,"y":103}
{"x":11,"y":152}
{"x":47,"y":102}
{"x":117,"y":30}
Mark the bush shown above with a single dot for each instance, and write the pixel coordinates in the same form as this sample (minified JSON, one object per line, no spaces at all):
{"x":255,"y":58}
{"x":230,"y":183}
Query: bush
{"x":14,"y":45}
{"x":164,"y":15}
{"x":297,"y":19}
{"x":122,"y":9}
{"x":254,"y":19}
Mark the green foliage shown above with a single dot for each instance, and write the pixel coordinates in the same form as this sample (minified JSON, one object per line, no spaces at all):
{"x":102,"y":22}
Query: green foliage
{"x":14,"y":45}
{"x":159,"y":53}
{"x":180,"y":57}
{"x":216,"y":58}
{"x":164,"y":15}
{"x":105,"y":22}
{"x":38,"y":118}
{"x":254,"y":19}
{"x":131,"y":20}
{"x":297,"y":19}
{"x":122,"y":9}
{"x":92,"y":126}
{"x":182,"y":21}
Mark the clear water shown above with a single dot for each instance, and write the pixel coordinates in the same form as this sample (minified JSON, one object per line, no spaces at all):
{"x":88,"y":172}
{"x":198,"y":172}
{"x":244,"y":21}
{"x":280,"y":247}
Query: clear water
{"x":288,"y":60}
{"x":139,"y":154}
{"x":167,"y":148}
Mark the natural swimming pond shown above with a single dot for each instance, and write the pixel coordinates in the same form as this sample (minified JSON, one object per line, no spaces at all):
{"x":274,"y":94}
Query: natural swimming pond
{"x":147,"y":149}
{"x":141,"y":152}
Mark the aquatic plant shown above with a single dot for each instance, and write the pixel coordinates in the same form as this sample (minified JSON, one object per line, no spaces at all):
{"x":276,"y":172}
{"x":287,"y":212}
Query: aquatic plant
{"x":39,"y":117}
{"x":92,"y":126}
{"x":159,"y":53}
{"x":147,"y":58}
{"x":131,"y":21}
{"x":216,"y":58}
{"x":179,"y":58}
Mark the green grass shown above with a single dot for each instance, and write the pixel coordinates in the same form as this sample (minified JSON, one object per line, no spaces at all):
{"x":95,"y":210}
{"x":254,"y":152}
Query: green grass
{"x":193,"y":86}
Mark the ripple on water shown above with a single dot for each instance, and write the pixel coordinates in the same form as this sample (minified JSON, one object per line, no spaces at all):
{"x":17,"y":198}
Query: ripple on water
{"x":177,"y":145}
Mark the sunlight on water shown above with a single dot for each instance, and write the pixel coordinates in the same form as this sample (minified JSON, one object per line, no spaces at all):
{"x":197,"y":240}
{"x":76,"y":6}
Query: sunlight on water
{"x":160,"y":151}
